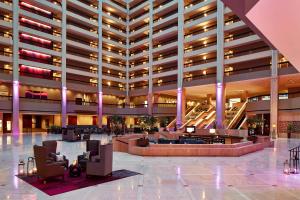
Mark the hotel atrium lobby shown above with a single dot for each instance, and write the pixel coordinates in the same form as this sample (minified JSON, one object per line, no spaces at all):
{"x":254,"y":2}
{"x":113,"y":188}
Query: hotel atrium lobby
{"x":149,"y":100}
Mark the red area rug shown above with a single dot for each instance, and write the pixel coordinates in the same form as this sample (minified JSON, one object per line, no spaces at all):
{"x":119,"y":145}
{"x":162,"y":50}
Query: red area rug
{"x":57,"y":186}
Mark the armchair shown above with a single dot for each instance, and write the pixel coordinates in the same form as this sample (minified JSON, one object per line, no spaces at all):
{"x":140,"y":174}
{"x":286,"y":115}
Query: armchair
{"x":44,"y":169}
{"x":93,"y":147}
{"x":101,"y":165}
{"x":50,"y":146}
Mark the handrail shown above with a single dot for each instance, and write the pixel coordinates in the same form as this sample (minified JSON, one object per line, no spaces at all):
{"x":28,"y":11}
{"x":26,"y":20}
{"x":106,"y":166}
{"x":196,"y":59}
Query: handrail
{"x":209,"y":111}
{"x":237,"y":115}
{"x":190,"y":112}
{"x":243,"y":122}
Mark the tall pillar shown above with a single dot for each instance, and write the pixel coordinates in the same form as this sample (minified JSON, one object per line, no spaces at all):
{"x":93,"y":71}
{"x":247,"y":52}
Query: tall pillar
{"x":64,"y":64}
{"x":180,"y":116}
{"x":99,"y":81}
{"x":127,"y":98}
{"x":150,"y":103}
{"x":274,"y":95}
{"x":181,"y":107}
{"x":150,"y":57}
{"x":220,"y":85}
{"x":15,"y":99}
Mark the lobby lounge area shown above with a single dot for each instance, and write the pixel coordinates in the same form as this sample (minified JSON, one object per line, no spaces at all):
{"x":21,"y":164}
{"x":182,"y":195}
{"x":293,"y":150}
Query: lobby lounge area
{"x":248,"y":177}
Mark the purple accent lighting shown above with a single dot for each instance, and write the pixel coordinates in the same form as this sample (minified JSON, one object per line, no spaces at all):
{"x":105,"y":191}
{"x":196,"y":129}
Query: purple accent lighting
{"x":219,"y":105}
{"x":100,"y":102}
{"x":15,"y":120}
{"x":64,"y":107}
{"x":179,"y":107}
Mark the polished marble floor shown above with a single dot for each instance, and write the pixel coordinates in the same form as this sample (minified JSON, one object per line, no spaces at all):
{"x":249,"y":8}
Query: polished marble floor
{"x":254,"y":176}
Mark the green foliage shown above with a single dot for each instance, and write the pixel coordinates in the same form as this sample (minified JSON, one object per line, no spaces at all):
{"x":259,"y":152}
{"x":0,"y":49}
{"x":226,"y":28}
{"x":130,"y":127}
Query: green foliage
{"x":164,"y":121}
{"x":254,"y":122}
{"x":291,"y":127}
{"x":147,"y":123}
{"x":116,"y":123}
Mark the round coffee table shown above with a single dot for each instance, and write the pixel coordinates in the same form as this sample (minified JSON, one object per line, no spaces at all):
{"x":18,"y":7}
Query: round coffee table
{"x":74,"y":170}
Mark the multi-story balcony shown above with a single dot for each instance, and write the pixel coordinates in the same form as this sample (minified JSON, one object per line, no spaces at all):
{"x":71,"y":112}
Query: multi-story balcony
{"x":115,"y":5}
{"x":6,"y":6}
{"x":51,"y":6}
{"x":198,"y":6}
{"x":6,"y":38}
{"x":139,"y":20}
{"x":138,"y":6}
{"x":81,"y":44}
{"x":113,"y":29}
{"x":74,"y":15}
{"x":165,"y":32}
{"x":167,"y":58}
{"x":165,"y":83}
{"x":83,"y":6}
{"x":165,"y":6}
{"x":140,"y":42}
{"x":202,"y":19}
{"x":6,"y":55}
{"x":82,"y":31}
{"x":109,"y":39}
{"x":107,"y":16}
{"x":37,"y":29}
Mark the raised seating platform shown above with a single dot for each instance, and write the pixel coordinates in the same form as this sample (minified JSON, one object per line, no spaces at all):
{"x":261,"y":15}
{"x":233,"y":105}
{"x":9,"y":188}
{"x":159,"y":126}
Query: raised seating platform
{"x":128,"y":144}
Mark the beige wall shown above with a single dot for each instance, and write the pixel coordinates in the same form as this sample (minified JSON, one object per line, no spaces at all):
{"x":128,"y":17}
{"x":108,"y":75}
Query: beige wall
{"x":104,"y":120}
{"x":139,"y":99}
{"x":129,"y":121}
{"x":109,"y":99}
{"x":57,"y":120}
{"x":5,"y":89}
{"x":72,"y":95}
{"x":84,"y":120}
{"x":289,"y":116}
{"x":52,"y":93}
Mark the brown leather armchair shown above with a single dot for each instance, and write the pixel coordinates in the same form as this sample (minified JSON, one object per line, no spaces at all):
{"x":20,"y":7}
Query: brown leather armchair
{"x":44,"y":169}
{"x":93,"y":147}
{"x":101,"y":165}
{"x":51,"y":146}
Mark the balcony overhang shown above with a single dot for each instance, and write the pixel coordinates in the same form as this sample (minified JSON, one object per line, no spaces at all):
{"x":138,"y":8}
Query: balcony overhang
{"x":276,"y":22}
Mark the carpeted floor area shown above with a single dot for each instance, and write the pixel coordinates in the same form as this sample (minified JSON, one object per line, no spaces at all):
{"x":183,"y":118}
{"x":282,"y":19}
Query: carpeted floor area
{"x":57,"y":186}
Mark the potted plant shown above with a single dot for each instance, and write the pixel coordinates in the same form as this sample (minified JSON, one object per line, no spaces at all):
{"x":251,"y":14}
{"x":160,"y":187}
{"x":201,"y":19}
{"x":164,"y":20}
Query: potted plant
{"x":290,"y":129}
{"x":147,"y":123}
{"x":164,"y":121}
{"x":116,"y":124}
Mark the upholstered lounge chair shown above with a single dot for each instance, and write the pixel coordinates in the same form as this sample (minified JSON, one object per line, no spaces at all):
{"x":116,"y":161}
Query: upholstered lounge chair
{"x":45,"y":169}
{"x":101,"y":165}
{"x":92,"y":146}
{"x":51,"y":146}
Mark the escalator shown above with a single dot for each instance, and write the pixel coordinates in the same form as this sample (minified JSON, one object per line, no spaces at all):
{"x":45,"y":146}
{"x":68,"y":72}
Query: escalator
{"x":237,"y":116}
{"x":206,"y":118}
{"x":190,"y":111}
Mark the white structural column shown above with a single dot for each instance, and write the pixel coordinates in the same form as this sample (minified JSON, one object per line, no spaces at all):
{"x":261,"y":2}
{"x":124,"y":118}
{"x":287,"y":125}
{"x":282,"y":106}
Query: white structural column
{"x":99,"y":81}
{"x":64,"y":64}
{"x":274,"y":95}
{"x":150,"y":57}
{"x":220,"y":85}
{"x":127,"y":99}
{"x":180,"y":64}
{"x":16,"y":101}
